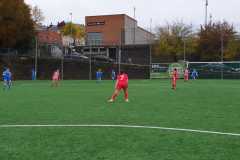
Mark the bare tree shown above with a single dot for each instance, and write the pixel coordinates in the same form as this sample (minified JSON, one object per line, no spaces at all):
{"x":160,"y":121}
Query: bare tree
{"x":37,"y":15}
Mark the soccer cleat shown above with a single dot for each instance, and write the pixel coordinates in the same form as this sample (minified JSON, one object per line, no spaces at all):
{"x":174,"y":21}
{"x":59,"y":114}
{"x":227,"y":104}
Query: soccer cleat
{"x":111,"y":101}
{"x":126,"y":100}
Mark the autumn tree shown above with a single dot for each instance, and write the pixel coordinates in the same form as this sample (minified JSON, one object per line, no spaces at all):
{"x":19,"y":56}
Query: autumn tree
{"x":74,"y":30}
{"x":16,"y":25}
{"x":213,"y":37}
{"x":171,"y":39}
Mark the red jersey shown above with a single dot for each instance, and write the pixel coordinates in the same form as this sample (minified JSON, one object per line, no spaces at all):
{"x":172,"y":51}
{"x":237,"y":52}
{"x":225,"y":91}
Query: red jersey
{"x":186,"y":72}
{"x":175,"y":75}
{"x":122,"y":79}
{"x":56,"y":75}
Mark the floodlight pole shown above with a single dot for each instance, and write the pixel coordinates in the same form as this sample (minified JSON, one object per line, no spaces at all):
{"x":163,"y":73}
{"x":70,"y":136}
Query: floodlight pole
{"x":134,"y":29}
{"x":62,"y":66}
{"x":36,"y":58}
{"x":222,"y":51}
{"x":119,"y":58}
{"x":184,"y":49}
{"x":120,"y":52}
{"x":150,"y":50}
{"x":206,"y":13}
{"x":150,"y":60}
{"x":90,"y":63}
{"x":71,"y":32}
{"x":184,"y":45}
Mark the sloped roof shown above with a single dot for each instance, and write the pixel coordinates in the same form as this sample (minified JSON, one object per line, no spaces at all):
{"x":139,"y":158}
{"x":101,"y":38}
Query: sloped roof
{"x":49,"y":37}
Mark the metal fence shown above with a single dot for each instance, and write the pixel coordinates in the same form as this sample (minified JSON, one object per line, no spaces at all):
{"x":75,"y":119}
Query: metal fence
{"x":132,"y":59}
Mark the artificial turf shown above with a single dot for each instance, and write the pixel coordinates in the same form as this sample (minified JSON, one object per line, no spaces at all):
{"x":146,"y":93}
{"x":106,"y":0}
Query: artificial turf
{"x":211,"y":105}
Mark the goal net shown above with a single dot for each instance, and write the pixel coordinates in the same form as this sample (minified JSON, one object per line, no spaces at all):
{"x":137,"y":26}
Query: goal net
{"x":164,"y":70}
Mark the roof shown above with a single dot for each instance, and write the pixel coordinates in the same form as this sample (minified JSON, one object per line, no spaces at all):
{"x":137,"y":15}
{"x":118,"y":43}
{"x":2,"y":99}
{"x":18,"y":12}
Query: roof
{"x":124,"y":15}
{"x":49,"y":37}
{"x":146,"y":31}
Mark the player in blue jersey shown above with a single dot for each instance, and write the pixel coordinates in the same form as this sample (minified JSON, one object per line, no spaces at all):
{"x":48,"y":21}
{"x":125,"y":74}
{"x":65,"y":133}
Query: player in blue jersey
{"x":33,"y":74}
{"x":194,"y":74}
{"x":7,"y":79}
{"x":99,"y":75}
{"x":113,"y":75}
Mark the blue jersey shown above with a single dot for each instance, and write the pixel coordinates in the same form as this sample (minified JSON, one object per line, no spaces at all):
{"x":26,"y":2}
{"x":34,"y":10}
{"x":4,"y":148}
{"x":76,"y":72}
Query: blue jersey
{"x":6,"y":75}
{"x":194,"y":74}
{"x":113,"y":74}
{"x":99,"y":75}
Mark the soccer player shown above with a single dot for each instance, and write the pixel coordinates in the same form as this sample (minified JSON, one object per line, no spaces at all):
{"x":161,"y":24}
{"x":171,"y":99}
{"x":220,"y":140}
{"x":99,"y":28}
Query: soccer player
{"x":33,"y":74}
{"x":174,"y":79}
{"x":186,"y":75}
{"x":121,"y":84}
{"x":7,"y":79}
{"x":56,"y":78}
{"x":99,"y":75}
{"x":113,"y":75}
{"x":194,"y":74}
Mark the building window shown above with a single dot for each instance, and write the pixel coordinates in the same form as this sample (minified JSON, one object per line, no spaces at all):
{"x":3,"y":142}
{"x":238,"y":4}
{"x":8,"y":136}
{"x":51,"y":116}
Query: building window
{"x":94,"y":39}
{"x":100,"y":23}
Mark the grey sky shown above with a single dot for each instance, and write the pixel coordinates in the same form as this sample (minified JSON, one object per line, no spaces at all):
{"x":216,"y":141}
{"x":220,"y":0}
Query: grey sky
{"x":189,"y":11}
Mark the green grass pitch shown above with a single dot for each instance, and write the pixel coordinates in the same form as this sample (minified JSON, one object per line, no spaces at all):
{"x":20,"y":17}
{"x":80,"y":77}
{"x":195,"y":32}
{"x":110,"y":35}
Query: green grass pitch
{"x":211,"y":105}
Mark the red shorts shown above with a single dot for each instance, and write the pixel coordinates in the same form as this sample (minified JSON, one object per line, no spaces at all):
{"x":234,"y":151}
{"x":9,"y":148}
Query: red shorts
{"x":186,"y":77}
{"x":122,"y":86}
{"x":55,"y":79}
{"x":174,"y":81}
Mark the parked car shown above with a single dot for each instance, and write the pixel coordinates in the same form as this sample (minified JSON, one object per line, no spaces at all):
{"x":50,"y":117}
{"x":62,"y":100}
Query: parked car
{"x":217,"y":67}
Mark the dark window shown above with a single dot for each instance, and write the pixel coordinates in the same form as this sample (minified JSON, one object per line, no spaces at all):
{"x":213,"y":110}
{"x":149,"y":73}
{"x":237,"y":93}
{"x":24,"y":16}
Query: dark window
{"x":100,"y":23}
{"x":94,"y":39}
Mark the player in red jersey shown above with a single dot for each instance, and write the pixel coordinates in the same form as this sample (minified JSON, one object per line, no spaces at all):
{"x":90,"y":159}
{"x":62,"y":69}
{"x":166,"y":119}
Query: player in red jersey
{"x":55,"y":78}
{"x":121,"y":84}
{"x":186,"y":75}
{"x":174,"y":79}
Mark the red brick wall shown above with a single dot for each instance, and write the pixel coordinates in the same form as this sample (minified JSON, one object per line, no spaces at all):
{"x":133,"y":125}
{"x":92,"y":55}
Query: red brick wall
{"x":49,"y":37}
{"x":111,"y":29}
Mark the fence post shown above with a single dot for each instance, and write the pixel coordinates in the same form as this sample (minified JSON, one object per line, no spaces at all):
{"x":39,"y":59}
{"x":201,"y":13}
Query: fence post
{"x":90,"y":64}
{"x":62,"y":66}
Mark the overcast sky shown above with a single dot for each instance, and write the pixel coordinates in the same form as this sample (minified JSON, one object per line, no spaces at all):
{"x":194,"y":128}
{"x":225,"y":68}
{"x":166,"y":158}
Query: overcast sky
{"x":161,"y":11}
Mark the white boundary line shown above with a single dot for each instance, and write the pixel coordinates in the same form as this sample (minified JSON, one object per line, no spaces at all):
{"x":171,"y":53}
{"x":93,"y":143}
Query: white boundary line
{"x":122,"y":126}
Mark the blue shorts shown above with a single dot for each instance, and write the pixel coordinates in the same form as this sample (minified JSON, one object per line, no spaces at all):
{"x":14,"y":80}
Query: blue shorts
{"x":6,"y":79}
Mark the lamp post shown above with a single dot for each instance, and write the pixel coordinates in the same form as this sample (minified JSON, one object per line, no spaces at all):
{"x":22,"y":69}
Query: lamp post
{"x":222,"y":50}
{"x":71,"y":33}
{"x":206,"y":13}
{"x":150,"y":50}
{"x":36,"y":58}
{"x":184,"y":49}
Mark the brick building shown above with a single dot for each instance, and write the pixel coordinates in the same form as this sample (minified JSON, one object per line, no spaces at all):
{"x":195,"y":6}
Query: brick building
{"x":117,"y":29}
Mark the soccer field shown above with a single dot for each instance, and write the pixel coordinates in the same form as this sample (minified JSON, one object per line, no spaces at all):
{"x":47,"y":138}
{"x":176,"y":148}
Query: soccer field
{"x":198,"y":121}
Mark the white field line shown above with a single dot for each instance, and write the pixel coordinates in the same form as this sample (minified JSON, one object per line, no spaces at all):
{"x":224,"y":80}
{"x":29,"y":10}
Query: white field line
{"x":121,"y":126}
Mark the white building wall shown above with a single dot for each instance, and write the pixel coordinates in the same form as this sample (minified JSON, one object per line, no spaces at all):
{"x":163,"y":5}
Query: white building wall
{"x":129,"y":29}
{"x":68,"y":40}
{"x":143,"y":36}
{"x":134,"y":34}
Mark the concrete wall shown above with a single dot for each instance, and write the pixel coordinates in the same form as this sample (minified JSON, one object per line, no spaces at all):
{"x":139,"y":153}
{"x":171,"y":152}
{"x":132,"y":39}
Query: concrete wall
{"x":143,"y":36}
{"x":133,"y":34}
{"x":130,"y":26}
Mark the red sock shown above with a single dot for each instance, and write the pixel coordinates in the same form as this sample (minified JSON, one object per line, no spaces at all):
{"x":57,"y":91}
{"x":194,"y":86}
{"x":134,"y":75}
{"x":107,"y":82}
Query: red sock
{"x":126,"y":94}
{"x":114,"y":96}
